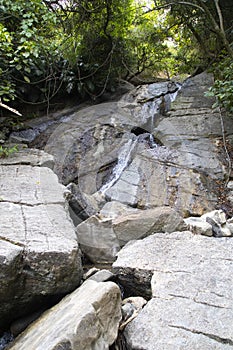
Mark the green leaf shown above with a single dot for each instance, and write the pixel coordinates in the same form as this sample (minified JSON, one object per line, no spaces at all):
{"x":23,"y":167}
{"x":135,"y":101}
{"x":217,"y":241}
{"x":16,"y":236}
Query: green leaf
{"x":26,"y":79}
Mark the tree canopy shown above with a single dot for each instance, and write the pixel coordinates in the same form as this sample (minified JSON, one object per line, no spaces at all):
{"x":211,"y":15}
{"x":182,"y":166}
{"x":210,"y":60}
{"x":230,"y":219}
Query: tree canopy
{"x":81,"y":47}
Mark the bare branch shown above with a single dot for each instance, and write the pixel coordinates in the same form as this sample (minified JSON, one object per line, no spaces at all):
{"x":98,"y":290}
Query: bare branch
{"x":9,"y":108}
{"x":175,"y":3}
{"x":219,"y":14}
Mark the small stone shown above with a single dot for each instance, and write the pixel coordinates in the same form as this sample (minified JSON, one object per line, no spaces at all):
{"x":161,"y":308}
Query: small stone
{"x":127,"y":311}
{"x":217,"y":215}
{"x":230,"y":185}
{"x":227,"y":230}
{"x":102,"y":276}
{"x":90,"y":273}
{"x":137,"y":302}
{"x":198,"y":226}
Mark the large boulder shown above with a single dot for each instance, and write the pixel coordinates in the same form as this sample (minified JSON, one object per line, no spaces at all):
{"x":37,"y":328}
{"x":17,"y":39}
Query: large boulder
{"x":153,"y":178}
{"x":86,"y":319}
{"x":101,"y":236}
{"x":189,"y":278}
{"x":193,"y":128}
{"x":39,"y":252}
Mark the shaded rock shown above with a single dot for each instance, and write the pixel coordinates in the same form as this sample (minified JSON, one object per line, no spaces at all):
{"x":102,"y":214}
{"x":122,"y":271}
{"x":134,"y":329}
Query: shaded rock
{"x":100,"y":238}
{"x":130,"y":309}
{"x":86,"y":319}
{"x":191,"y":295}
{"x":39,"y":250}
{"x":19,"y":325}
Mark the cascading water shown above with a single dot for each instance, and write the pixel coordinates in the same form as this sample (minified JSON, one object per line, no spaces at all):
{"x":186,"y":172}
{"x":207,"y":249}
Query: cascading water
{"x":123,"y":161}
{"x":125,"y":155}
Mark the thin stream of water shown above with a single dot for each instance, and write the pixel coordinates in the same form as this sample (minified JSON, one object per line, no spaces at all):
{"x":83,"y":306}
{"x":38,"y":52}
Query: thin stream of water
{"x":123,"y":161}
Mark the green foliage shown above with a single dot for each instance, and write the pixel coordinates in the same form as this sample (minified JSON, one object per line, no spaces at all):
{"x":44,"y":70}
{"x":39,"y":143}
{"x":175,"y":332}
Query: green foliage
{"x":27,"y":49}
{"x":7,"y":151}
{"x":96,"y":44}
{"x":84,"y":47}
{"x":223,"y":85}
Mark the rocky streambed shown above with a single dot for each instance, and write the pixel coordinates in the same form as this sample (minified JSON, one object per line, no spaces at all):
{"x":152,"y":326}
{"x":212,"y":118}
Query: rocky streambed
{"x":142,"y":186}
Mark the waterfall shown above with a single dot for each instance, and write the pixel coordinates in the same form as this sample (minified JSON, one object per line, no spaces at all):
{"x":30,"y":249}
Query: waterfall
{"x":123,"y":161}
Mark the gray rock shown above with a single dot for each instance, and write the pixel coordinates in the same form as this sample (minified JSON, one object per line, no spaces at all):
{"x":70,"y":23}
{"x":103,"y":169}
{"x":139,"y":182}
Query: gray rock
{"x":218,"y":221}
{"x":100,"y":238}
{"x":181,"y":173}
{"x":102,"y":276}
{"x":199,"y":226}
{"x":191,"y":290}
{"x":217,"y":215}
{"x":230,"y":185}
{"x":145,"y":222}
{"x":154,"y":179}
{"x":114,"y":209}
{"x":179,"y":324}
{"x":86,"y":319}
{"x":28,"y":156}
{"x":90,"y":272}
{"x":39,"y":250}
{"x":130,"y":309}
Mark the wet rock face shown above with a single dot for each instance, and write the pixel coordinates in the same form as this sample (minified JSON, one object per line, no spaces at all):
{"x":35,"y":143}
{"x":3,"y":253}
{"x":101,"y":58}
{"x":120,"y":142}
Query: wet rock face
{"x":90,"y":146}
{"x":39,"y":252}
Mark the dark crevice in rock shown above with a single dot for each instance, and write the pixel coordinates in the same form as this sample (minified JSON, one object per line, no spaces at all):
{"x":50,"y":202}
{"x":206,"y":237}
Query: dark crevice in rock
{"x":30,"y":204}
{"x":105,"y":174}
{"x":134,"y":283}
{"x":211,"y":336}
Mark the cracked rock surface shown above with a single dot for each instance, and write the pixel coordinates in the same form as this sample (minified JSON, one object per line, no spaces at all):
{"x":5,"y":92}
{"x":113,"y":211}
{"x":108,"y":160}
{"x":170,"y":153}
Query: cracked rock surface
{"x":39,"y":253}
{"x":191,"y":280}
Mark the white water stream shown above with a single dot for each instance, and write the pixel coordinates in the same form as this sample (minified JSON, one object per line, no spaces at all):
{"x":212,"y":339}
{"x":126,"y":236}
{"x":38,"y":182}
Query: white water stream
{"x":123,"y":160}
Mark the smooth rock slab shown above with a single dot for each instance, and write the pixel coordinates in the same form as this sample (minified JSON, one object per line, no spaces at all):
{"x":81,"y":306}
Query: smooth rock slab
{"x":29,"y":156}
{"x":191,"y":286}
{"x":30,"y":185}
{"x":86,"y":319}
{"x":180,"y":324}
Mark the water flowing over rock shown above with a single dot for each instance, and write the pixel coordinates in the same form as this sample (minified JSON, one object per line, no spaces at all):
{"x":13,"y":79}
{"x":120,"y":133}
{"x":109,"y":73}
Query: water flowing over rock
{"x":105,"y":152}
{"x":190,"y":280}
{"x":86,"y":319}
{"x":39,"y":252}
{"x":157,"y":146}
